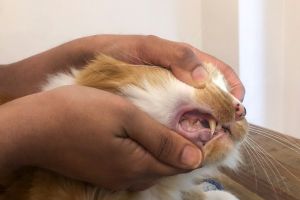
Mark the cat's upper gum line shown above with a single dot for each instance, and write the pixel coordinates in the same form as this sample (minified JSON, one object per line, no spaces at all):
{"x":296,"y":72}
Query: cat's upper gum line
{"x":213,"y":123}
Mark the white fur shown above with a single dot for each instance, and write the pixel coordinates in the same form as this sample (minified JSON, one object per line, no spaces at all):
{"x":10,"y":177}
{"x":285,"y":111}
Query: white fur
{"x":219,"y":195}
{"x":161,"y":103}
{"x":220,"y":82}
{"x":60,"y":79}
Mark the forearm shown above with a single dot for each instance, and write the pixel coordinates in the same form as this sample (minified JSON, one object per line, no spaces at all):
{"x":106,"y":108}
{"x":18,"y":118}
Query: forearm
{"x":21,"y":121}
{"x":26,"y":76}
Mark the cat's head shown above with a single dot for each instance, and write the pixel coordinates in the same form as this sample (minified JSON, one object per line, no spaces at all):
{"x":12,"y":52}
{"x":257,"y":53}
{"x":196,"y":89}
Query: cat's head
{"x":209,"y":116}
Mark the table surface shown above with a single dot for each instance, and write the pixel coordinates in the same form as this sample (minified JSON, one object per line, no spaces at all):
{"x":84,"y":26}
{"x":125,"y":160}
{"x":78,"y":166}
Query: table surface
{"x":271,"y":168}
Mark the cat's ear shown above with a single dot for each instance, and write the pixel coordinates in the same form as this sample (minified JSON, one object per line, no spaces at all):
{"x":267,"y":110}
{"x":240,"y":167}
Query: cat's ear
{"x":108,"y":74}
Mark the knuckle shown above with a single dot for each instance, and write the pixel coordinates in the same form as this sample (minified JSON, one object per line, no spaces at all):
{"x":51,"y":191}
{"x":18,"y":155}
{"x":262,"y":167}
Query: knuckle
{"x":123,"y":107}
{"x":128,"y":112}
{"x":150,"y":41}
{"x":187,"y":45}
{"x":123,"y":111}
{"x":152,"y":37}
{"x":184,"y":53}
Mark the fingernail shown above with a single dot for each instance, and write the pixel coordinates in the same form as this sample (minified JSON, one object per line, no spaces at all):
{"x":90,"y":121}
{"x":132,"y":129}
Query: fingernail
{"x":199,"y":74}
{"x":191,"y":157}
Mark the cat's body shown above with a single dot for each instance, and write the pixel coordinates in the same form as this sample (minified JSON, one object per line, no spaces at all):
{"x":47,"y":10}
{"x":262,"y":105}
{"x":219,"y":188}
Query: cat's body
{"x":191,"y":112}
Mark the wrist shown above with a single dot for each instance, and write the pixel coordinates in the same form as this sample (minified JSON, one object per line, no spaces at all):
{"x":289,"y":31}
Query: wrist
{"x":24,"y":122}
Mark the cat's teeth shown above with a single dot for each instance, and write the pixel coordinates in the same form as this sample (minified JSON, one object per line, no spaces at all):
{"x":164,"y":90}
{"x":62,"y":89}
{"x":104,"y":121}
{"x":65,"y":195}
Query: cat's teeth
{"x":219,"y":127}
{"x":197,"y":124}
{"x":212,"y":125}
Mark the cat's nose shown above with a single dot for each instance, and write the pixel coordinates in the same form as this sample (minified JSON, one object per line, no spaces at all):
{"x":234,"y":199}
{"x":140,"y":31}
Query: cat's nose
{"x":240,"y":111}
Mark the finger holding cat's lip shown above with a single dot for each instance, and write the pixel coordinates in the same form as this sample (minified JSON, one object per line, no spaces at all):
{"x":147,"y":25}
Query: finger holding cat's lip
{"x":190,"y":157}
{"x":164,"y":144}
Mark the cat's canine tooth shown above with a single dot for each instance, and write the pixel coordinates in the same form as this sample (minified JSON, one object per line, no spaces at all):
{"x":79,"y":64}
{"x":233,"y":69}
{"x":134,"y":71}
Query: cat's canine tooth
{"x":212,"y":125}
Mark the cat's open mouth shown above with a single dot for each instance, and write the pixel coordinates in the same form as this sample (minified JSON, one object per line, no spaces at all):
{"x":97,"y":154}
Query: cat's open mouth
{"x":200,"y":127}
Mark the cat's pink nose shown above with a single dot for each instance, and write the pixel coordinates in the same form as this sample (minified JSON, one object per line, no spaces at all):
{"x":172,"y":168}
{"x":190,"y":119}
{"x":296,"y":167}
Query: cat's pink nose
{"x":240,"y":111}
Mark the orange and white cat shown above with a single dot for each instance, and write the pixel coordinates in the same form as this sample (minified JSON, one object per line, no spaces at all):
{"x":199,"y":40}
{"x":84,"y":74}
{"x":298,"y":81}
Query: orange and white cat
{"x":209,"y":116}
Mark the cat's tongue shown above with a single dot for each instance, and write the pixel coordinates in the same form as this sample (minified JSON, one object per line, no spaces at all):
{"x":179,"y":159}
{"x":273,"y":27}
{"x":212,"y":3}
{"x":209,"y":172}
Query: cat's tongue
{"x":197,"y":127}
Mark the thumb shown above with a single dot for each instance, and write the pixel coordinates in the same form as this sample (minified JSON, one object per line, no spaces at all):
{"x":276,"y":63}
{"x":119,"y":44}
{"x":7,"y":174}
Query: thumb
{"x":164,"y":144}
{"x":194,"y":76}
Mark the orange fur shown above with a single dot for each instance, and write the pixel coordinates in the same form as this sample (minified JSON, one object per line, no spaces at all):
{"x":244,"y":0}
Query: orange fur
{"x":109,"y":74}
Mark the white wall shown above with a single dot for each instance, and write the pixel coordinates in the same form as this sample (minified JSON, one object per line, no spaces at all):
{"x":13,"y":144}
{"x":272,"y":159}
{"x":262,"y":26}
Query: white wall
{"x":220,"y":30}
{"x":291,"y":31}
{"x":269,"y":63}
{"x":28,"y":27}
{"x":261,"y":60}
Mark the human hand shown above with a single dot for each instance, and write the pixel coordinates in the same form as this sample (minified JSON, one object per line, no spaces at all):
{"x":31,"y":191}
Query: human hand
{"x":95,"y":136}
{"x":182,"y":59}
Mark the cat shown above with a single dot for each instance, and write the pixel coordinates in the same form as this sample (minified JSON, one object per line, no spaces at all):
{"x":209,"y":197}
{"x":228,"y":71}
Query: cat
{"x":210,"y":117}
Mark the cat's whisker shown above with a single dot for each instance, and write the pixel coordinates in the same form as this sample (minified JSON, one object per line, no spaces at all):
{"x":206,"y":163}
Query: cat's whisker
{"x":261,"y":151}
{"x":262,"y":164}
{"x":280,"y":138}
{"x":274,"y":138}
{"x":287,"y":170}
{"x":259,"y":161}
{"x":254,"y":127}
{"x":252,"y":163}
{"x":281,"y":141}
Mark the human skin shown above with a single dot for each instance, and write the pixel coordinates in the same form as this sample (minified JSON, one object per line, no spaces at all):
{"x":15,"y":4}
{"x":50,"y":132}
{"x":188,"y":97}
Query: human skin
{"x":105,"y":149}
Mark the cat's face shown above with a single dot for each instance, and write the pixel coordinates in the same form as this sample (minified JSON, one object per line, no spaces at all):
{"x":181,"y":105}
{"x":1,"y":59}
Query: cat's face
{"x":210,"y":116}
{"x":213,"y":119}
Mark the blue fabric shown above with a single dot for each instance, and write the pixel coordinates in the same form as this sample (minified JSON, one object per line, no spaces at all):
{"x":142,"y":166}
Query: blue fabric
{"x":211,"y":184}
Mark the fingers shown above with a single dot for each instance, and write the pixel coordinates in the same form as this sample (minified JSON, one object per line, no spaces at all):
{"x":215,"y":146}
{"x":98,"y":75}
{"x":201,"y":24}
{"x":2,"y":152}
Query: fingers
{"x":237,"y":88}
{"x":164,"y":144}
{"x":185,"y":62}
{"x":178,"y":58}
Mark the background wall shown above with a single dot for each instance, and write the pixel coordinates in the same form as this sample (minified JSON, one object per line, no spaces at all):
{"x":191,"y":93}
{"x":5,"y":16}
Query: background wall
{"x":220,"y":30}
{"x":258,"y":38}
{"x":269,"y":64}
{"x":291,"y":31}
{"x":28,"y":27}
